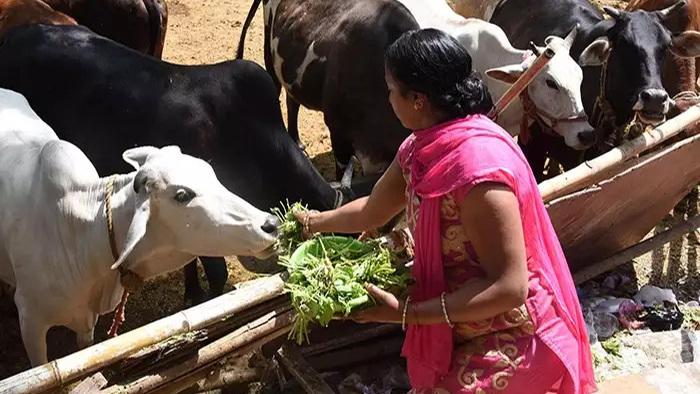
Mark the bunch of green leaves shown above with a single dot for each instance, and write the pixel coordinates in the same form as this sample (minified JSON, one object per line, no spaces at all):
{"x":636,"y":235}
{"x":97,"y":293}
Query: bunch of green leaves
{"x":289,"y":229}
{"x":327,"y":277}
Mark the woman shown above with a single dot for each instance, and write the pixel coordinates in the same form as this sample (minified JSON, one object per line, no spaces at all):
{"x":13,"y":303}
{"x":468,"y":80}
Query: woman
{"x":494,"y":308}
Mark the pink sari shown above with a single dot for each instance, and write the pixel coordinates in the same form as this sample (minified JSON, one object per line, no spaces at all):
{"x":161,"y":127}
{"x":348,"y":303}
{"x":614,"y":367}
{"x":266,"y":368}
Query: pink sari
{"x":460,"y":154}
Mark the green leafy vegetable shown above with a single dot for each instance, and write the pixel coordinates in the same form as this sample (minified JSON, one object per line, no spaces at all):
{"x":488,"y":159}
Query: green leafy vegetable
{"x":327,"y":277}
{"x":289,"y":229}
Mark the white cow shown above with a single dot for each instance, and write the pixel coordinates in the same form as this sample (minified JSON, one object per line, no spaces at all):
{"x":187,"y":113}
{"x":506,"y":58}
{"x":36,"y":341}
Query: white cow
{"x":556,"y":90}
{"x":482,"y":9}
{"x":54,"y":243}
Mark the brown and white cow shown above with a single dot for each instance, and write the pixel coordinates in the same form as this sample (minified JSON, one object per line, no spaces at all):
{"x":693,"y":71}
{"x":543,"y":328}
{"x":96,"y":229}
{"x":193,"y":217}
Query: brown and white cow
{"x":138,"y":24}
{"x":329,"y":56}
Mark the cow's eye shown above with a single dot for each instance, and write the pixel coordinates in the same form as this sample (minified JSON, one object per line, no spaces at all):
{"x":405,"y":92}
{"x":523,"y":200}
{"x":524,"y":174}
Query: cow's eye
{"x":184,"y":195}
{"x":551,"y":84}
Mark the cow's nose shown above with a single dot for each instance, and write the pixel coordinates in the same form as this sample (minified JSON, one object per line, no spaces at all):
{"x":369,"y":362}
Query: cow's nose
{"x":653,"y":100}
{"x":587,"y":137}
{"x":270,"y":225}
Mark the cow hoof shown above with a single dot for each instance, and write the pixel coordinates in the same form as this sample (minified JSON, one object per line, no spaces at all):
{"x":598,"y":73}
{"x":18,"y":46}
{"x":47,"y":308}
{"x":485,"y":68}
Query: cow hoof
{"x":214,"y":294}
{"x":302,"y":148}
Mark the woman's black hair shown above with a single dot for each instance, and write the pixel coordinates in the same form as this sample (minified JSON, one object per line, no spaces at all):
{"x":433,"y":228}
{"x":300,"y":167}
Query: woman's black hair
{"x":434,"y":63}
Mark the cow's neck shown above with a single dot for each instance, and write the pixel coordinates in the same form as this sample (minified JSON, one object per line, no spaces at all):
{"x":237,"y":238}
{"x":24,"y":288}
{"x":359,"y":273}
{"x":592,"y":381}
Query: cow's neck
{"x":84,"y":208}
{"x":153,"y":255}
{"x":590,"y":88}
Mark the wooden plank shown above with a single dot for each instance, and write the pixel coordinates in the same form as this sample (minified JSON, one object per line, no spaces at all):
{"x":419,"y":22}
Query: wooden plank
{"x":358,"y":354}
{"x":90,"y":385}
{"x":290,"y":356}
{"x":637,"y":250}
{"x":598,"y":222}
{"x":351,"y":339}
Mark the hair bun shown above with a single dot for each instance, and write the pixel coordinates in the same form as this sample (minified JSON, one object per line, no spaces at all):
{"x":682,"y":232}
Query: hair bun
{"x":431,"y":62}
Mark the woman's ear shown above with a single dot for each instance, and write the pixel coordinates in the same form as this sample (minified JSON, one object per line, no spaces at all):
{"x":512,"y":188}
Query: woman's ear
{"x":419,"y":100}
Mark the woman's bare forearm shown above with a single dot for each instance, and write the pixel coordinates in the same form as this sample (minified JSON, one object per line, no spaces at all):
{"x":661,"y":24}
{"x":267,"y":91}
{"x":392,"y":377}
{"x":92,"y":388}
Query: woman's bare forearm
{"x":366,"y":213}
{"x":350,"y":218}
{"x":478,"y":299}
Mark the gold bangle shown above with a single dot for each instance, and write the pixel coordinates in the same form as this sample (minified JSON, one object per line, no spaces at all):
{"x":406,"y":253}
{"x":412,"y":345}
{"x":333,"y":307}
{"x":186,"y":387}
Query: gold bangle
{"x":405,"y":308}
{"x":444,"y":310}
{"x":305,"y":223}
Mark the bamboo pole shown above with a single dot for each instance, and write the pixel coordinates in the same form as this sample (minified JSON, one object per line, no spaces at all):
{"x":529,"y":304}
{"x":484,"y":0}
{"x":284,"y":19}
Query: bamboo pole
{"x":59,"y":372}
{"x":194,"y":377}
{"x":279,"y":320}
{"x":637,"y":250}
{"x":153,"y":357}
{"x":576,"y":178}
{"x":521,"y":84}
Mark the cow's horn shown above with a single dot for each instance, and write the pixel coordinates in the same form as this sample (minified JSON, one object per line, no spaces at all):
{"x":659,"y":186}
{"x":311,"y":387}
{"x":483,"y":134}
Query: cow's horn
{"x":347,"y":175}
{"x":534,"y":49}
{"x":613,"y":12}
{"x":669,"y":11}
{"x":569,"y":40}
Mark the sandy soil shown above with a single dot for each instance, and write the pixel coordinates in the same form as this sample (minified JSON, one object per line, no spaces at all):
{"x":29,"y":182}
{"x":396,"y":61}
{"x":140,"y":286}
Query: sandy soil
{"x":207,"y":31}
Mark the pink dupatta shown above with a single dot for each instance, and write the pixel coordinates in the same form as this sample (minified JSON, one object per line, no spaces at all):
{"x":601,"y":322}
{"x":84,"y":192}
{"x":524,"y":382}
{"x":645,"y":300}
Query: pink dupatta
{"x":465,"y":152}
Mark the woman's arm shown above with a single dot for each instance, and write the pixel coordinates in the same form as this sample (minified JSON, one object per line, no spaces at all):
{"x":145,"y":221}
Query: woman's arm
{"x":491,"y":219}
{"x":384,"y":202}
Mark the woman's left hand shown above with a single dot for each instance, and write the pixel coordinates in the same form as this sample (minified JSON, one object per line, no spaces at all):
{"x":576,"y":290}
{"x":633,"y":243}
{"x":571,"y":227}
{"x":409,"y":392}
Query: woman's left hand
{"x":389,"y":309}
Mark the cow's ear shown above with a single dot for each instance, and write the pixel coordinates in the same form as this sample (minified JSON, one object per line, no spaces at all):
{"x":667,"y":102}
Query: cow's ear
{"x":686,"y":44}
{"x":137,"y":228}
{"x":137,"y":156}
{"x":148,"y":180}
{"x":595,"y":54}
{"x":508,"y":74}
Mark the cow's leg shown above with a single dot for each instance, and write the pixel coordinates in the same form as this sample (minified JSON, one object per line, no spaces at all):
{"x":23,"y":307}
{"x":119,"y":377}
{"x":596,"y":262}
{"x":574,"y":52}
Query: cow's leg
{"x":193,"y":290}
{"x":84,"y":329}
{"x":293,"y":121}
{"x":33,"y":329}
{"x":536,"y":156}
{"x":86,"y":338}
{"x":217,"y":274}
{"x":341,"y":145}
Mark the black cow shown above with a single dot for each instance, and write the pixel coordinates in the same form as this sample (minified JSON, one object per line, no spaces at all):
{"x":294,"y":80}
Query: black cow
{"x":105,"y":98}
{"x":329,"y":56}
{"x":625,"y":54}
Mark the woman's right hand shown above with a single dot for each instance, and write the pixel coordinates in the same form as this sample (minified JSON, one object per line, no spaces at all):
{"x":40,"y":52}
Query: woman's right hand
{"x":304,"y":218}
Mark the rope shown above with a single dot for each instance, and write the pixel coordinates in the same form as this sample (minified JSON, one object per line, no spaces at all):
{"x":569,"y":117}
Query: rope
{"x":110,"y":219}
{"x":338,"y":199}
{"x":686,"y":95}
{"x":530,"y":112}
{"x":129,"y":280}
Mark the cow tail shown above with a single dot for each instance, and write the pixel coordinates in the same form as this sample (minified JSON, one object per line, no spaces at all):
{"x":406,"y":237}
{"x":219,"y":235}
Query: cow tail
{"x":158,"y":24}
{"x":244,"y":30}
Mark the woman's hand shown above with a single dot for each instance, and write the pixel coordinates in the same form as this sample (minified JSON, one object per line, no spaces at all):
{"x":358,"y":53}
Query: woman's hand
{"x":389,"y":310}
{"x":304,"y":218}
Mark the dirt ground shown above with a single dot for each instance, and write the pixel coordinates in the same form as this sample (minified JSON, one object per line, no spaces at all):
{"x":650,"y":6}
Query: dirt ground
{"x":207,"y":31}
